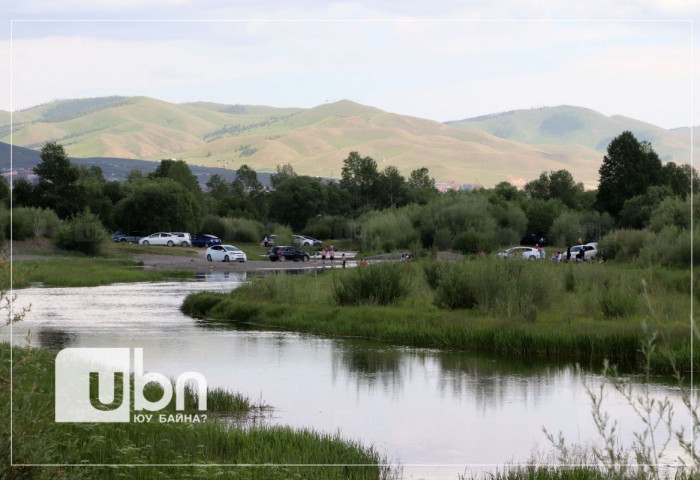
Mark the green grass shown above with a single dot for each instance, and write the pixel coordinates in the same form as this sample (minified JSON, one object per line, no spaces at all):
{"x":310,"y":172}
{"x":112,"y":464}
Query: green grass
{"x":101,"y":447}
{"x":84,"y":272}
{"x":572,"y":324}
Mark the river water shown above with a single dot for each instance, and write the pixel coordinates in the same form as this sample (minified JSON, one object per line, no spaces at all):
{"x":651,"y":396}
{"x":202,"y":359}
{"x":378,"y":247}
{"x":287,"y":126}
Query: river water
{"x":436,"y":413}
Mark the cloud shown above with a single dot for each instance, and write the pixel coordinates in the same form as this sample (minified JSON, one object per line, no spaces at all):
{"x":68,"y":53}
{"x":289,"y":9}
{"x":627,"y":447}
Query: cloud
{"x":435,"y":69}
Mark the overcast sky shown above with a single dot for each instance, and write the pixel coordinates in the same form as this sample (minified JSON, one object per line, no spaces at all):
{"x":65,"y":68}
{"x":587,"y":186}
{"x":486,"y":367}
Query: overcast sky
{"x":444,"y":60}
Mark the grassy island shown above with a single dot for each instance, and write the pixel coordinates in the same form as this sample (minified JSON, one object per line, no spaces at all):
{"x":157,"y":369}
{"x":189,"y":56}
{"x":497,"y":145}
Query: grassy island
{"x":583,"y":312}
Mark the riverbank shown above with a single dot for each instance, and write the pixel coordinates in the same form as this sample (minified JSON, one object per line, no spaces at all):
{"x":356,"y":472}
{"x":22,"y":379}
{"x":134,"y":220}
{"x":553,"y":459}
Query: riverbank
{"x":585,"y":313}
{"x":38,"y":262}
{"x":211,"y":448}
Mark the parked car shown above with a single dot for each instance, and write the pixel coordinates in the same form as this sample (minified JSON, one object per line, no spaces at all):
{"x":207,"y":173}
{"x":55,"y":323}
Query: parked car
{"x":590,"y":251}
{"x":160,"y":238}
{"x":184,"y":239}
{"x":533,"y":239}
{"x":225,"y":253}
{"x":527,"y":253}
{"x":132,"y":237}
{"x":304,"y":241}
{"x":287,"y":253}
{"x":205,"y":240}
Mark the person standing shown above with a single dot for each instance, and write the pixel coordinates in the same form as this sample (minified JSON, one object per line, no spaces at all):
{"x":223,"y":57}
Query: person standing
{"x":266,"y":241}
{"x":331,"y":253}
{"x":342,"y":257}
{"x":568,"y":253}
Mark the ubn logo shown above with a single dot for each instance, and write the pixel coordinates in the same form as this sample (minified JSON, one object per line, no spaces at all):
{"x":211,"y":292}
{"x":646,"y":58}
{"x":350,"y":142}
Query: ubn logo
{"x":81,"y":372}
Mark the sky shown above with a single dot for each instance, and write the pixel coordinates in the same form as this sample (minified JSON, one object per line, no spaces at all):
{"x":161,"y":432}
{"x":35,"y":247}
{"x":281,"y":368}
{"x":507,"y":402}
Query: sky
{"x":446,"y":60}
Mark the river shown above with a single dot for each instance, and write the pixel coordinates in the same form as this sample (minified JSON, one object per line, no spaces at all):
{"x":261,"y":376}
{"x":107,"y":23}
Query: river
{"x":436,"y":413}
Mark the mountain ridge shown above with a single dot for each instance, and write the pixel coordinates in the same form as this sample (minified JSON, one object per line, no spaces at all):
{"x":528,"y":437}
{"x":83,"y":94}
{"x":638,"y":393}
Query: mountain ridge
{"x":515,"y":146}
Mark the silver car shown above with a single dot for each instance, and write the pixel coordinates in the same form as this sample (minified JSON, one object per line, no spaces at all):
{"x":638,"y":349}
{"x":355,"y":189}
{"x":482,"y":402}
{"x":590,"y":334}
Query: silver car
{"x":160,"y":238}
{"x":528,"y":253}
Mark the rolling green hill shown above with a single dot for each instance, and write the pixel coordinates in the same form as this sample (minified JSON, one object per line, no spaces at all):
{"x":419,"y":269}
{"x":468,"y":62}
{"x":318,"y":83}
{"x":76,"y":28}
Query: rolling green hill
{"x":514,"y":146}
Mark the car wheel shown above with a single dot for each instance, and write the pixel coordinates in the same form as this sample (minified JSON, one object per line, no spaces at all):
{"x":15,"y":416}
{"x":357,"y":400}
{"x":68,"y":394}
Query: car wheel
{"x":209,"y":258}
{"x":185,"y":244}
{"x":226,"y":259}
{"x":283,"y":258}
{"x":170,"y":243}
{"x":122,"y":240}
{"x":145,"y":242}
{"x":304,"y":258}
{"x":208,"y":244}
{"x":532,"y":257}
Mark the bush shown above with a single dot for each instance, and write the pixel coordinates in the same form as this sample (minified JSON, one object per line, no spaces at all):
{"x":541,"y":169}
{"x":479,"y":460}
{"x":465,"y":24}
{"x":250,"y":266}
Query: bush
{"x":214,"y":225}
{"x":335,"y":227}
{"x":473,"y":241}
{"x":243,"y":230}
{"x":623,"y":245}
{"x":381,"y":284}
{"x":388,"y":231}
{"x":83,"y":232}
{"x":502,"y":287}
{"x":566,"y":229}
{"x":616,"y":302}
{"x":442,"y":239}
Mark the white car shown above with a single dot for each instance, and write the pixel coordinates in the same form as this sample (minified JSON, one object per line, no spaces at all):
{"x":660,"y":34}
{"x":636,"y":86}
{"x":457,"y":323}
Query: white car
{"x":161,"y":238}
{"x":528,"y":253}
{"x":225,"y":253}
{"x":184,"y":239}
{"x":590,"y":251}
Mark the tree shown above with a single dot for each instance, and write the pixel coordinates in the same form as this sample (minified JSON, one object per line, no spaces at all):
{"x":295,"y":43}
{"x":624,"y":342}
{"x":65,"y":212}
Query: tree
{"x":556,"y":185}
{"x":158,"y":205}
{"x":680,"y":179}
{"x":218,"y":187}
{"x":636,"y":211}
{"x":421,"y":186}
{"x":391,"y":187}
{"x":507,"y":191}
{"x":628,"y":169}
{"x":55,"y":167}
{"x":4,"y":191}
{"x":179,"y":171}
{"x":282,"y":173}
{"x":297,"y":199}
{"x":360,"y":176}
{"x":247,"y":181}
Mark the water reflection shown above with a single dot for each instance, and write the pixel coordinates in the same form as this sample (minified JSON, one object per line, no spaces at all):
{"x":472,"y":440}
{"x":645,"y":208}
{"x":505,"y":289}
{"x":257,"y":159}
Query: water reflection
{"x":420,"y":406}
{"x":55,"y":338}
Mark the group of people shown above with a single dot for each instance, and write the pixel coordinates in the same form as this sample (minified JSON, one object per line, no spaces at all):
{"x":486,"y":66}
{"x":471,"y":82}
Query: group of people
{"x":330,"y":253}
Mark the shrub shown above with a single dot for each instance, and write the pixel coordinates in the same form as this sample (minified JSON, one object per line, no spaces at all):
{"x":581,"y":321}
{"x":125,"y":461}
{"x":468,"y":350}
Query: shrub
{"x":570,"y":279}
{"x":243,"y":230}
{"x":473,"y":241}
{"x":565,"y":229}
{"x":31,"y":222}
{"x":442,"y":239}
{"x":502,"y":287}
{"x":623,"y":245}
{"x":381,"y":284}
{"x":330,"y":227}
{"x":616,"y":302}
{"x":388,"y":231}
{"x":214,"y":225}
{"x":83,"y":232}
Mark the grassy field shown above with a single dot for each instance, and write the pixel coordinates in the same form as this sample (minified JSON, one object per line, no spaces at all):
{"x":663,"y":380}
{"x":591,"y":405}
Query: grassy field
{"x":582,"y":312}
{"x":204,"y":449}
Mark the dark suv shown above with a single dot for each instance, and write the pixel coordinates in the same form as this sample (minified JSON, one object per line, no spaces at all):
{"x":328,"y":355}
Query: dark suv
{"x":287,"y":253}
{"x":533,"y":239}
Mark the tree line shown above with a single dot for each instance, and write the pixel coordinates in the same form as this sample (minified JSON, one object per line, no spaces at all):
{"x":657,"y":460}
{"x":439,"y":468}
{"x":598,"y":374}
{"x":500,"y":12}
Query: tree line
{"x":377,"y":209}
